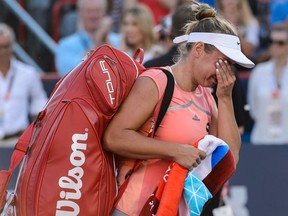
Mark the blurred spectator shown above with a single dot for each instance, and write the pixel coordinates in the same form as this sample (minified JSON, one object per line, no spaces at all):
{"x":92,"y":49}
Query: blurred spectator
{"x":118,"y":6}
{"x":137,"y":32}
{"x":268,"y":93}
{"x":263,"y":15}
{"x":94,"y":30}
{"x":26,"y":37}
{"x":239,"y":13}
{"x":182,"y":14}
{"x":21,"y":91}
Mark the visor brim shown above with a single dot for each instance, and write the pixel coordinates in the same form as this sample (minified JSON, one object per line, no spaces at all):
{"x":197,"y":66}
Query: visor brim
{"x":236,"y":55}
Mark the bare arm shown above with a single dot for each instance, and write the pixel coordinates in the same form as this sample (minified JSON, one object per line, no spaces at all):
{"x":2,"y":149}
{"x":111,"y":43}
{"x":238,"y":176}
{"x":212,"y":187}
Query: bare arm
{"x":225,"y":124}
{"x":121,"y":136}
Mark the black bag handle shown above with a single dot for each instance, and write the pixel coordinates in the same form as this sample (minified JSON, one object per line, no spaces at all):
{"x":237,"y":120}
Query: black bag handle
{"x":167,"y":97}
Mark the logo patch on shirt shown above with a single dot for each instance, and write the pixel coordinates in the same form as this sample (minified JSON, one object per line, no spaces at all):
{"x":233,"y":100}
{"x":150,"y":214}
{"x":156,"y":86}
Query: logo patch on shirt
{"x":196,"y":118}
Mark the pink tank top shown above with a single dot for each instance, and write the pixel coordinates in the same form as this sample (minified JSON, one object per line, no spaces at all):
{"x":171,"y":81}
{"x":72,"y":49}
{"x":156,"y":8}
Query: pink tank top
{"x":185,"y":122}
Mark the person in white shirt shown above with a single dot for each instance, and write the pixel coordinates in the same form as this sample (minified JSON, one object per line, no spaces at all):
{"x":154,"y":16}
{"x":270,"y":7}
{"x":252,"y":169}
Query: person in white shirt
{"x":268,"y":93}
{"x":21,"y":91}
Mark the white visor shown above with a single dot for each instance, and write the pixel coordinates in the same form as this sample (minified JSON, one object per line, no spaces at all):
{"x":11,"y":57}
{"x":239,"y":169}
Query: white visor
{"x":227,"y":44}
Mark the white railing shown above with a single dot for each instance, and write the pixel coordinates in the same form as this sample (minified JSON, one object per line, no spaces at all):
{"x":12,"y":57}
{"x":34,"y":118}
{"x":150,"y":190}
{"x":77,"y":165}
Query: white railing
{"x":34,"y":27}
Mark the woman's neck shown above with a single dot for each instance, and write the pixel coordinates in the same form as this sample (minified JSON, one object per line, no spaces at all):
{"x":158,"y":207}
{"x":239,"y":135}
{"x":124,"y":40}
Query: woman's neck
{"x":281,"y":61}
{"x":183,"y":77}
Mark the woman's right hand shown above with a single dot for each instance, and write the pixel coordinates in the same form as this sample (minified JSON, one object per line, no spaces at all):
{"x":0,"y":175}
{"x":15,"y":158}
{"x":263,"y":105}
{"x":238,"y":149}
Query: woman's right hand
{"x":189,"y":156}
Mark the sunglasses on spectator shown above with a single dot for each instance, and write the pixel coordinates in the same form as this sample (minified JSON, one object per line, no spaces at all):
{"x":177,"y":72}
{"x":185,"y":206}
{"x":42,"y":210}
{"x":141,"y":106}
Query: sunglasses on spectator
{"x":5,"y":46}
{"x":279,"y":42}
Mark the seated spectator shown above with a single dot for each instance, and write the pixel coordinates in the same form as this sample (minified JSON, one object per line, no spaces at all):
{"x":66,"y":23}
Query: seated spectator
{"x":137,"y":32}
{"x":94,"y":30}
{"x":21,"y":91}
{"x":268,"y":93}
{"x":117,"y":8}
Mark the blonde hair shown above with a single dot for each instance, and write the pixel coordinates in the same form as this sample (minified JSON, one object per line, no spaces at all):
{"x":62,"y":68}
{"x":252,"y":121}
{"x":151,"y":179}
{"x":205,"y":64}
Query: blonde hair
{"x":145,"y":22}
{"x":206,"y":20}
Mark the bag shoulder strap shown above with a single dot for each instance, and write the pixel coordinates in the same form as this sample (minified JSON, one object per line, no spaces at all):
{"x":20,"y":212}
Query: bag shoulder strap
{"x":168,"y":94}
{"x":18,"y":154}
{"x":20,"y":150}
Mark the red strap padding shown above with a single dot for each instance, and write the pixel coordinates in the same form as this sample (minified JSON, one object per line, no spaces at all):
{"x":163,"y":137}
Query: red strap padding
{"x":18,"y":154}
{"x":21,"y":147}
{"x":5,"y":176}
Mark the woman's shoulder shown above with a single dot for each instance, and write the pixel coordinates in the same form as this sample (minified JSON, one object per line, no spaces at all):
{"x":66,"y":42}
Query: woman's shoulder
{"x":155,"y":72}
{"x":158,"y":76}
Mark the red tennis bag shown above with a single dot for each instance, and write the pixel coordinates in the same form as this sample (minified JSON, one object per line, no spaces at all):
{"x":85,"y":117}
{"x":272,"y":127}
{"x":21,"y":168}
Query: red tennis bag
{"x":65,"y":171}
